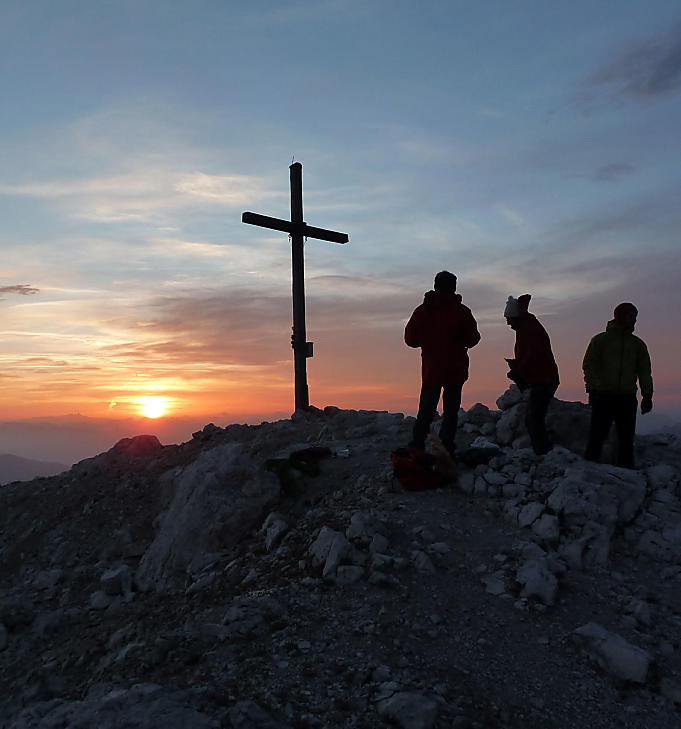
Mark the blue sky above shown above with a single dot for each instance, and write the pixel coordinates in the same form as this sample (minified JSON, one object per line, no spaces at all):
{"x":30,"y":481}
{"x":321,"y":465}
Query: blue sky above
{"x":526,"y":146}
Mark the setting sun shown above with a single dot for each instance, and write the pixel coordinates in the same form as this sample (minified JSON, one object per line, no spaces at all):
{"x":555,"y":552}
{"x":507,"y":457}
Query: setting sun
{"x":153,"y":406}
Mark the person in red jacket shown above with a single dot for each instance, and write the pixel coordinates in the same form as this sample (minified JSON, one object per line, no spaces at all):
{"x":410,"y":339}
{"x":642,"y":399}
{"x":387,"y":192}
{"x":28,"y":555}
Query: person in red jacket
{"x":533,"y":368}
{"x":444,"y":329}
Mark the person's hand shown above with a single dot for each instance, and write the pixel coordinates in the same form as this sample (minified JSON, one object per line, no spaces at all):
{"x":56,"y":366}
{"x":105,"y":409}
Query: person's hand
{"x":646,"y":404}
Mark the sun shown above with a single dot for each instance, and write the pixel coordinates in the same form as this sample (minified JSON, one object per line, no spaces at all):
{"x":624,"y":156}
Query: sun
{"x":153,"y":406}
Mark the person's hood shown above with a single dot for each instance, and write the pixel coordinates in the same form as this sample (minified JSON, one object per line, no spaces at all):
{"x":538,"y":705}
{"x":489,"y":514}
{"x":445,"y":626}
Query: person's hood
{"x":441,"y":299}
{"x":525,"y":319}
{"x":616,"y":327}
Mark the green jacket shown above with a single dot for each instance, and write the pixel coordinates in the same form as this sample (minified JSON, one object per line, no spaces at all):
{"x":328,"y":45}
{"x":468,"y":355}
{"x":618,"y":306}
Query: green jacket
{"x":614,"y":360}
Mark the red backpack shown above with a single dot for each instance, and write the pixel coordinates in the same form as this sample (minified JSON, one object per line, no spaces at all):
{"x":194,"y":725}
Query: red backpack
{"x":414,"y":469}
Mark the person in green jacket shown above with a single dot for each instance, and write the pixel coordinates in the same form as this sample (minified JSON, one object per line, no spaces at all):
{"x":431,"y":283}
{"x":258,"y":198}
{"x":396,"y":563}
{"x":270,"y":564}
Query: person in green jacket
{"x":615,"y":359}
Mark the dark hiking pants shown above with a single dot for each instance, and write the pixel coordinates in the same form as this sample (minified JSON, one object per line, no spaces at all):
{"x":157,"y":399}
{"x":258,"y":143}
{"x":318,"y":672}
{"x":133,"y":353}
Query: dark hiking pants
{"x":451,"y":402}
{"x":535,"y":417}
{"x":606,"y":407}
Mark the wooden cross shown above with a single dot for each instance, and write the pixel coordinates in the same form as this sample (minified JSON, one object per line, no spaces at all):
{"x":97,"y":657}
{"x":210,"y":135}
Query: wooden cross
{"x":298,"y":230}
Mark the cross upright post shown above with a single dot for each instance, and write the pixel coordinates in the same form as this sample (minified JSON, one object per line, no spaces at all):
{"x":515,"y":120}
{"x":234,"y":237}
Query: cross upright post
{"x":298,"y":229}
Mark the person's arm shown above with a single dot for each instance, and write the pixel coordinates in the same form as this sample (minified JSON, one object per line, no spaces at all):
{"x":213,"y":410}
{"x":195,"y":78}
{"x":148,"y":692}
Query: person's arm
{"x":645,"y":378}
{"x":591,"y":366}
{"x":411,"y":336}
{"x":472,"y":335}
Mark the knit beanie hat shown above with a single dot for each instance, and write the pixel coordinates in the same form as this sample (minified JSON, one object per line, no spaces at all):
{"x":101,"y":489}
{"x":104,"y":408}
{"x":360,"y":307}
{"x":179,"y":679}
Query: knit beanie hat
{"x":622,"y":310}
{"x":517,"y":307}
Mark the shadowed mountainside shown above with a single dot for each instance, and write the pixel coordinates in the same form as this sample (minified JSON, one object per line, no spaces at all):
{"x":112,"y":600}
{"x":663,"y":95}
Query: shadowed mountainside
{"x":189,"y":586}
{"x":14,"y":468}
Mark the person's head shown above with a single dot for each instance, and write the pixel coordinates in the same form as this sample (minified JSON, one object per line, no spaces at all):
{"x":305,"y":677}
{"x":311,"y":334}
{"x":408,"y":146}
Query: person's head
{"x":516,"y":310}
{"x":625,"y":314}
{"x":445,"y":282}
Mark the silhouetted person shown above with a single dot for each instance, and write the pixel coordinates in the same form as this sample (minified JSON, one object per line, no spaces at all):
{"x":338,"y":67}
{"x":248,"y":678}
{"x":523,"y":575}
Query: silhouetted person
{"x":533,"y":368}
{"x":444,"y":329}
{"x":615,"y":359}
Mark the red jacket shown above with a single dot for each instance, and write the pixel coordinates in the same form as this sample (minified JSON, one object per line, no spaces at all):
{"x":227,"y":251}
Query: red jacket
{"x":444,"y":329}
{"x":534,"y":362}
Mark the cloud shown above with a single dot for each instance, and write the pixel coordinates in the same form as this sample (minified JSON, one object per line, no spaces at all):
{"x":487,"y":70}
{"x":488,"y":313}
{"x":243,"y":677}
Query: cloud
{"x":645,"y":68}
{"x":611,"y":172}
{"x":23,"y":289}
{"x":144,"y":192}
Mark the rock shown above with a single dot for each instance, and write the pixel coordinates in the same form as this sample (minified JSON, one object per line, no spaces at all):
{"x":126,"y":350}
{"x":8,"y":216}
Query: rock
{"x":319,"y":549}
{"x":248,"y":715}
{"x":379,"y":544}
{"x":603,"y":494}
{"x":117,"y":581}
{"x":347,"y":574}
{"x":537,"y":581}
{"x":509,"y":424}
{"x":3,"y":637}
{"x":613,"y":653}
{"x":99,"y":600}
{"x":358,"y":527}
{"x":529,"y":513}
{"x":494,"y":478}
{"x":511,"y":397}
{"x":218,"y":499}
{"x":662,"y":475}
{"x":478,"y":415}
{"x":408,"y":710}
{"x":202,"y":583}
{"x":422,"y":562}
{"x":274,"y":527}
{"x":494,"y":583}
{"x":48,"y":579}
{"x":640,"y":611}
{"x":16,"y":614}
{"x":671,"y":690}
{"x":480,"y":486}
{"x":466,"y":481}
{"x":546,"y":529}
{"x":144,"y":706}
{"x":340,"y":548}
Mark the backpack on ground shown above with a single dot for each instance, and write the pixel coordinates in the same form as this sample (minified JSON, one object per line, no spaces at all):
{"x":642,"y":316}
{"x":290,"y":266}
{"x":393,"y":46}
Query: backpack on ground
{"x":415,"y":469}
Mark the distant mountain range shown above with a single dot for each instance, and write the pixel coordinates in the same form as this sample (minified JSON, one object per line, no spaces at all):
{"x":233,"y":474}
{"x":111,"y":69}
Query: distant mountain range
{"x":71,"y":438}
{"x":14,"y":468}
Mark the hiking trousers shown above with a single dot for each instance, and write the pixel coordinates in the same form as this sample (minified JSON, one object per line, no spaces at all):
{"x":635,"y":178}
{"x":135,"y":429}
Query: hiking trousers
{"x":535,"y":417}
{"x":606,"y":407}
{"x":451,"y":402}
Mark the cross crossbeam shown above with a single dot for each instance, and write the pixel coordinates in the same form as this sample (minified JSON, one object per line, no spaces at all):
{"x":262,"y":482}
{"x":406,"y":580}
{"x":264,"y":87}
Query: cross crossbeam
{"x":298,"y":229}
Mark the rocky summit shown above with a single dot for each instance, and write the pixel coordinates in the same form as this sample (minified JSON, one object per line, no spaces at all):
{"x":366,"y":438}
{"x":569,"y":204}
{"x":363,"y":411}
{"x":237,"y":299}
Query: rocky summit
{"x":278,"y":576}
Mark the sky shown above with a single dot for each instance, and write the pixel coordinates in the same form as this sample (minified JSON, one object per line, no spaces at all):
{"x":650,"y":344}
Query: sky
{"x":527,"y":147}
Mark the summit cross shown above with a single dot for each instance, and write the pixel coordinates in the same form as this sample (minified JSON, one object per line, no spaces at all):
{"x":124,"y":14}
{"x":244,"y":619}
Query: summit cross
{"x":298,"y":230}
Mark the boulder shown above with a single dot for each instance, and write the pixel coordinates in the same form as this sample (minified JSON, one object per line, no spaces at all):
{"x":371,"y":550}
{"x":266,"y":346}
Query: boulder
{"x":613,"y":653}
{"x":537,"y":581}
{"x":218,"y":499}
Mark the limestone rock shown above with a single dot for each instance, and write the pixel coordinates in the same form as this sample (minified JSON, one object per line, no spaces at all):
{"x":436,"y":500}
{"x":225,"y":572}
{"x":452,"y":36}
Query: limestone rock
{"x":274,"y":527}
{"x":529,"y":514}
{"x":408,"y":710}
{"x":537,"y":581}
{"x":248,"y":715}
{"x":218,"y":499}
{"x":117,"y":581}
{"x":613,"y":653}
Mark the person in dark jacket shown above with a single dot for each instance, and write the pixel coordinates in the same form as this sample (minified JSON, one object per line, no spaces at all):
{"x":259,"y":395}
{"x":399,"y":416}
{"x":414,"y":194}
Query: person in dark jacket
{"x":614,"y":360}
{"x":533,"y":368}
{"x":444,"y":329}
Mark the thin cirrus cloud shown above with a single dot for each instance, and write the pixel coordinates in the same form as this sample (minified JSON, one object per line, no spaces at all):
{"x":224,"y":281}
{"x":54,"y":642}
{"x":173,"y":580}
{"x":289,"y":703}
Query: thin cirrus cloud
{"x":643,"y":69}
{"x":143,"y":193}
